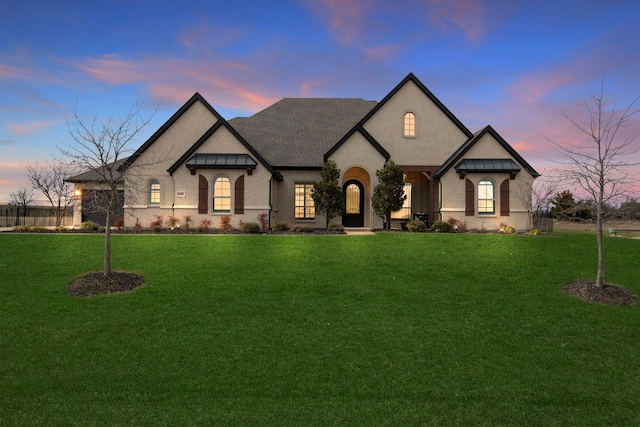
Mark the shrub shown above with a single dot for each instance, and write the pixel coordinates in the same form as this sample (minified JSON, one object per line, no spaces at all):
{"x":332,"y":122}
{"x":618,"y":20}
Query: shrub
{"x":263,"y":219}
{"x":60,"y":228}
{"x":457,"y":225}
{"x":534,"y":232}
{"x":21,"y":228}
{"x":225,"y":223}
{"x":416,"y":226}
{"x":205,"y":225}
{"x":280,"y":226}
{"x":173,"y":222}
{"x":137,"y":227}
{"x":250,"y":227}
{"x":441,"y":227}
{"x":335,"y":227}
{"x":89,"y":225}
{"x":302,"y":229}
{"x":506,"y":229}
{"x":119,"y":222}
{"x":187,"y":221}
{"x":156,"y":224}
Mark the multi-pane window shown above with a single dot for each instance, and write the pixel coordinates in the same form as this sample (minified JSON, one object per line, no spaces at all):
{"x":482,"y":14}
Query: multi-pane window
{"x":154,"y":192}
{"x":486,"y":196}
{"x":221,"y":194}
{"x":405,"y":211}
{"x":304,"y":208}
{"x":409,"y":125}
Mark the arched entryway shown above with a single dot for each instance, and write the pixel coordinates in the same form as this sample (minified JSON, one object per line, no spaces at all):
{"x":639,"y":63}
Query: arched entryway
{"x":354,"y":204}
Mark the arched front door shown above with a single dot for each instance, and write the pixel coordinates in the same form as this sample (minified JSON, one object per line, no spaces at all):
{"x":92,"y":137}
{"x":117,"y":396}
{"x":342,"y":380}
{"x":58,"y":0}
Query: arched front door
{"x":354,"y":204}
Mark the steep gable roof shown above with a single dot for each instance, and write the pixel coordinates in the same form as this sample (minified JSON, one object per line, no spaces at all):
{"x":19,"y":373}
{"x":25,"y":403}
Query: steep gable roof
{"x":195,"y":98}
{"x":366,"y":135}
{"x":412,"y":78}
{"x":219,"y":124}
{"x":297,"y":132}
{"x":464,"y":148}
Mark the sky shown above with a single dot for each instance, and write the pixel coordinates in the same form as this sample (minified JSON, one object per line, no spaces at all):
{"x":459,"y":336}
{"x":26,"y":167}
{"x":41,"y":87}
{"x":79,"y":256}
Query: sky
{"x":519,"y":66}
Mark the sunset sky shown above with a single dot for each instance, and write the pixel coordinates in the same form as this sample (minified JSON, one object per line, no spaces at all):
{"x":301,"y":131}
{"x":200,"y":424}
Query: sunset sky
{"x":516,"y":65}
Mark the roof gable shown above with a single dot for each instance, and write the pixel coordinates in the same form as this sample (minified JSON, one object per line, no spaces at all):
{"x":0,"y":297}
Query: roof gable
{"x":464,"y":148}
{"x":297,"y":132}
{"x":174,"y":118}
{"x":219,"y":124}
{"x":366,"y":135}
{"x":412,"y":78}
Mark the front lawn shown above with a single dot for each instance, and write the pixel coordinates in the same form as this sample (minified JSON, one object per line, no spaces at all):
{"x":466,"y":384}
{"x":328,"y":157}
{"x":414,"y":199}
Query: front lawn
{"x":394,"y":329}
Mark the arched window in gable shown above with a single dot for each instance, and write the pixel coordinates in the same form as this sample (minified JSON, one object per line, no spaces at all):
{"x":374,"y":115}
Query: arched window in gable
{"x":222,"y":194}
{"x":409,"y":125}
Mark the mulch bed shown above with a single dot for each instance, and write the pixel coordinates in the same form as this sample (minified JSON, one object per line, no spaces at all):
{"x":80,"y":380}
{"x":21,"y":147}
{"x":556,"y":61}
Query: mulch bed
{"x":97,"y":283}
{"x":607,"y":294}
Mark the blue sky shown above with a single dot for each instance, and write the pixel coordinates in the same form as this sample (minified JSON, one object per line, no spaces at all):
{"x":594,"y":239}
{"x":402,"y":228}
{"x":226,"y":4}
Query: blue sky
{"x":513,"y":64}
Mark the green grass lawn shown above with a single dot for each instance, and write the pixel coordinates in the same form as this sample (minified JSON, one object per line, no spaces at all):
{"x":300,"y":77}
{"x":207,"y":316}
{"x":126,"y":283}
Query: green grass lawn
{"x":393,"y":329}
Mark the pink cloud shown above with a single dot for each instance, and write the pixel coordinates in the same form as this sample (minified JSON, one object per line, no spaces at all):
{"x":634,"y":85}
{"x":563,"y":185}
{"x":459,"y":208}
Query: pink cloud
{"x":25,"y":129}
{"x":346,"y":17}
{"x":465,"y":15}
{"x":14,"y":72}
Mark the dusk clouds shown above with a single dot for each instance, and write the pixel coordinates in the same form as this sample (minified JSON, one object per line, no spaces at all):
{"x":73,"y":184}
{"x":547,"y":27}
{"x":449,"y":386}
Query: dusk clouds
{"x":514,"y":65}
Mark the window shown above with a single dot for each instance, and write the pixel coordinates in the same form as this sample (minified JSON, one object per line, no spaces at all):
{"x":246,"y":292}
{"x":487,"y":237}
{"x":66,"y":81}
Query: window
{"x":222,"y":194}
{"x":486,"y":197}
{"x":352,"y":202}
{"x":304,"y":208}
{"x":405,"y":211}
{"x":154,"y":192}
{"x":409,"y":125}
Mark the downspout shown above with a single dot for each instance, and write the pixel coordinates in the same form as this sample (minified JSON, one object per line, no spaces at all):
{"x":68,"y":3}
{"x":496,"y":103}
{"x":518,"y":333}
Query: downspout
{"x":270,"y":200}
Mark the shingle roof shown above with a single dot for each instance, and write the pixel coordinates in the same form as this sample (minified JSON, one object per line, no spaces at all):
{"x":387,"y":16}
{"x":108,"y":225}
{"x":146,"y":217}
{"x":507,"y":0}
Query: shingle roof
{"x":297,"y":132}
{"x":98,"y":174}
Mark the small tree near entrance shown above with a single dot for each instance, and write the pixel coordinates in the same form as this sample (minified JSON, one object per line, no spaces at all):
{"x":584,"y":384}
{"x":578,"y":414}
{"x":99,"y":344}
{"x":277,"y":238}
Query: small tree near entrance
{"x":388,"y":195}
{"x":22,"y":199}
{"x":327,"y":195}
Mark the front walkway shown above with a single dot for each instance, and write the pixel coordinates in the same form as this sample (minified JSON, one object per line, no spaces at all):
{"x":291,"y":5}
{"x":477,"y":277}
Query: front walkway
{"x":358,"y":231}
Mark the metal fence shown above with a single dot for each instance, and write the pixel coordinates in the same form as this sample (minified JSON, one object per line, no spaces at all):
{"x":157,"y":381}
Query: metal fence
{"x":43,"y":216}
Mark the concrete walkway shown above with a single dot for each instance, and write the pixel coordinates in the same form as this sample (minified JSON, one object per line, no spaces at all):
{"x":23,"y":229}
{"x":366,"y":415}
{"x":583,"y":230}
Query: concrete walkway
{"x":358,"y":231}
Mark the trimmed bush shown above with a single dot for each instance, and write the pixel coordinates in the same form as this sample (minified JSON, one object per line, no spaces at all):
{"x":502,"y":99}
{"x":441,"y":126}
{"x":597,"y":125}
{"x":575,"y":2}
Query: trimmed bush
{"x":335,"y":227}
{"x":416,"y":226}
{"x":441,"y":227}
{"x":250,"y":228}
{"x":302,"y":229}
{"x":89,"y":225}
{"x":507,"y":229}
{"x":280,"y":226}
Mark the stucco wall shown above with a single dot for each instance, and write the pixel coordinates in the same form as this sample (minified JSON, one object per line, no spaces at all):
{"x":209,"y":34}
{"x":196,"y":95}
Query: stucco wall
{"x":437,"y":137}
{"x":454,"y":193}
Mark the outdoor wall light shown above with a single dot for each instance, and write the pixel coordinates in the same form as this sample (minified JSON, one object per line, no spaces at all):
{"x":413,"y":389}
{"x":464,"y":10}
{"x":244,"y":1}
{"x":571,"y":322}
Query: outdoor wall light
{"x":77,"y":193}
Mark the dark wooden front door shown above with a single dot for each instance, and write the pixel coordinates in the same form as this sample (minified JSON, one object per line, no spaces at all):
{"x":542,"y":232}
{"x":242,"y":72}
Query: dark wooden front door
{"x":354,"y":204}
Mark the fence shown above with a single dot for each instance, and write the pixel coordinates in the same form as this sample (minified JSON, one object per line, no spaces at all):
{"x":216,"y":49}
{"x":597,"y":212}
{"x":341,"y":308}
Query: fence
{"x":11,"y":215}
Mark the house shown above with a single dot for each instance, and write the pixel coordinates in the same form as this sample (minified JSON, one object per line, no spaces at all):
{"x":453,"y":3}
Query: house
{"x":200,"y":165}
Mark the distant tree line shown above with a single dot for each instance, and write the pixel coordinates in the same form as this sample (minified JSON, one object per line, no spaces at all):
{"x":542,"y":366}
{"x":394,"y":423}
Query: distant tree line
{"x":567,"y":208}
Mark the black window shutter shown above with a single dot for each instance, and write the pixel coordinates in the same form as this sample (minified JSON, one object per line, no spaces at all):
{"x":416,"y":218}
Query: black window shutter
{"x":203,"y":195}
{"x":504,"y":198}
{"x":238,"y":206}
{"x":469,"y":208}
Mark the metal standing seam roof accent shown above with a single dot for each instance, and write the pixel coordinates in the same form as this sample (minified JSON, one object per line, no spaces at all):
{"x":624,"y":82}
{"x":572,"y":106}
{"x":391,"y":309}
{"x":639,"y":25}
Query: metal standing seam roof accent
{"x":487,"y":165}
{"x":221,"y":161}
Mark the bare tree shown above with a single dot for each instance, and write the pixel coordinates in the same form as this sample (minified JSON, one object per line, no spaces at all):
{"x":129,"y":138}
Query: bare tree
{"x":535,"y":198}
{"x":102,"y":148}
{"x":601,"y":165}
{"x":22,"y":199}
{"x":50,"y":181}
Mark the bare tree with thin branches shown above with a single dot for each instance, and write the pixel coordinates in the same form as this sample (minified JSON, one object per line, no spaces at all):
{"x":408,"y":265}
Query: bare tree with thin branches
{"x":102,"y":147}
{"x":601,"y":165}
{"x":49,"y":179}
{"x":22,"y":199}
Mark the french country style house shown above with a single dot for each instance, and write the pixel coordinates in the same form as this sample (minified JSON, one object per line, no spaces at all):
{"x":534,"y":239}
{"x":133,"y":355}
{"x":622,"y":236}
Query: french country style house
{"x":199,"y":164}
